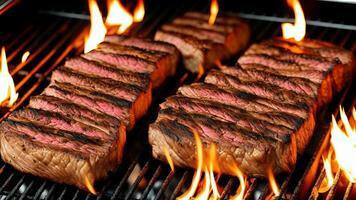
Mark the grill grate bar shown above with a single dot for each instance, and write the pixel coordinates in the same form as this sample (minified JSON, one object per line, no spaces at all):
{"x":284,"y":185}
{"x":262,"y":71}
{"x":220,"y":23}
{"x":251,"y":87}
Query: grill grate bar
{"x":152,"y":181}
{"x":348,"y":191}
{"x":138,"y":179}
{"x":19,"y":38}
{"x":180,"y":185}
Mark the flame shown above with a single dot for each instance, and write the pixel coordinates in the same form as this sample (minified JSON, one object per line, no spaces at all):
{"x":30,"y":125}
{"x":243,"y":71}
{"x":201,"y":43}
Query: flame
{"x":212,"y":160}
{"x":118,"y":16}
{"x":97,"y":29}
{"x":8,"y":94}
{"x":273,"y":183}
{"x":242,"y":187}
{"x":344,"y":145}
{"x":204,"y":194}
{"x":296,"y":31}
{"x":168,"y":158}
{"x":214,"y":9}
{"x":89,"y":185}
{"x":139,"y":11}
{"x":25,"y":56}
{"x":329,"y":178}
{"x":196,"y":178}
{"x":200,"y":72}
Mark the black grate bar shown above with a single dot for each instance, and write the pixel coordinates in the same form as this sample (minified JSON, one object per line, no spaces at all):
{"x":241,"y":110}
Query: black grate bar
{"x":164,"y":186}
{"x":152,"y":181}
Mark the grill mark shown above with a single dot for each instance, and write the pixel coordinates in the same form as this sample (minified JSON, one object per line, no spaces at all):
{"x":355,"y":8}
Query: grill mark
{"x":262,"y":104}
{"x":142,"y":43}
{"x":263,"y":129}
{"x":198,"y":33}
{"x":76,"y":111}
{"x":300,"y":85}
{"x":107,"y":71}
{"x":124,"y":62}
{"x":152,"y":56}
{"x":223,"y":19}
{"x":227,"y":112}
{"x":202,"y":24}
{"x":258,"y":88}
{"x":315,"y":61}
{"x":54,"y":132}
{"x":106,"y":86}
{"x":58,"y":121}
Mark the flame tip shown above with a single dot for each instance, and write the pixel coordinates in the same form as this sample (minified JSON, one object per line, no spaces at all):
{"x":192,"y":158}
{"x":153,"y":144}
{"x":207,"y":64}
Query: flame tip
{"x":8,"y":94}
{"x":298,"y":29}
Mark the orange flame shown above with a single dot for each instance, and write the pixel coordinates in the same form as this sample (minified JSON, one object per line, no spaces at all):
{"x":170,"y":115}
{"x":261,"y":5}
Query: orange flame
{"x":344,"y":145}
{"x":296,"y":30}
{"x":214,"y":9}
{"x":118,"y":16}
{"x":139,"y":11}
{"x":243,"y":182}
{"x":200,"y":72}
{"x":272,"y":182}
{"x":168,"y":158}
{"x":329,"y":178}
{"x":212,"y":160}
{"x":97,"y":29}
{"x":8,"y":94}
{"x":25,"y":56}
{"x":204,"y":194}
{"x":89,"y":185}
{"x":196,"y":178}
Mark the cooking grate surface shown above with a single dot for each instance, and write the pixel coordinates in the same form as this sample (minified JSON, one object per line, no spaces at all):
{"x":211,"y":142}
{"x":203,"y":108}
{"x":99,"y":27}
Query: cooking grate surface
{"x":52,"y":35}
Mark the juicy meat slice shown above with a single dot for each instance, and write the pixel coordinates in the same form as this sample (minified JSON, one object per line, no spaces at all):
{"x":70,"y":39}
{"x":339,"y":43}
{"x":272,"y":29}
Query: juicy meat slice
{"x":258,"y":88}
{"x":77,"y":112}
{"x":202,"y":46}
{"x":60,"y":122}
{"x":100,"y":69}
{"x":262,"y":128}
{"x":229,"y":113}
{"x":161,"y":60}
{"x":242,"y":100}
{"x":124,"y":62}
{"x":140,"y":98}
{"x":233,"y":144}
{"x":172,"y":53}
{"x":299,"y":85}
{"x":58,"y":155}
{"x":119,"y":108}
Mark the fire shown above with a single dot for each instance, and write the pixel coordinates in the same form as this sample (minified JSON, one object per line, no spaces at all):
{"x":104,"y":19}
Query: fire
{"x":89,"y":185}
{"x":196,"y":178}
{"x":344,"y":145}
{"x":139,"y":11}
{"x":97,"y":29}
{"x":296,"y":30}
{"x":200,"y":72}
{"x":118,"y":16}
{"x":273,"y":183}
{"x":25,"y":56}
{"x":8,"y":94}
{"x":329,"y":178}
{"x":168,"y":158}
{"x":243,"y":181}
{"x":214,"y":9}
{"x":208,"y":188}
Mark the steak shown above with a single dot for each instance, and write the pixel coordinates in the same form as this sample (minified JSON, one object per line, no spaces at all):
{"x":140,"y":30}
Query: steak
{"x":202,"y":44}
{"x":260,"y":113}
{"x":74,"y":132}
{"x":60,"y":155}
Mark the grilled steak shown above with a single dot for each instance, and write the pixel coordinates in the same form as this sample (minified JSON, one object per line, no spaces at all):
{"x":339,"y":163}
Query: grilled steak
{"x":260,"y":113}
{"x":60,"y":155}
{"x":75,"y":131}
{"x":157,"y":64}
{"x":203,"y":44}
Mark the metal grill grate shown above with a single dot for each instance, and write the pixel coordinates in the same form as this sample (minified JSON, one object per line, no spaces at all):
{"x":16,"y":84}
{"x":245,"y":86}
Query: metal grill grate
{"x":54,"y":35}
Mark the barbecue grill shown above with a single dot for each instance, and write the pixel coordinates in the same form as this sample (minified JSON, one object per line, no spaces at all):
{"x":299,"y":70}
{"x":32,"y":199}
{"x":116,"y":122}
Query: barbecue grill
{"x":50,"y":33}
